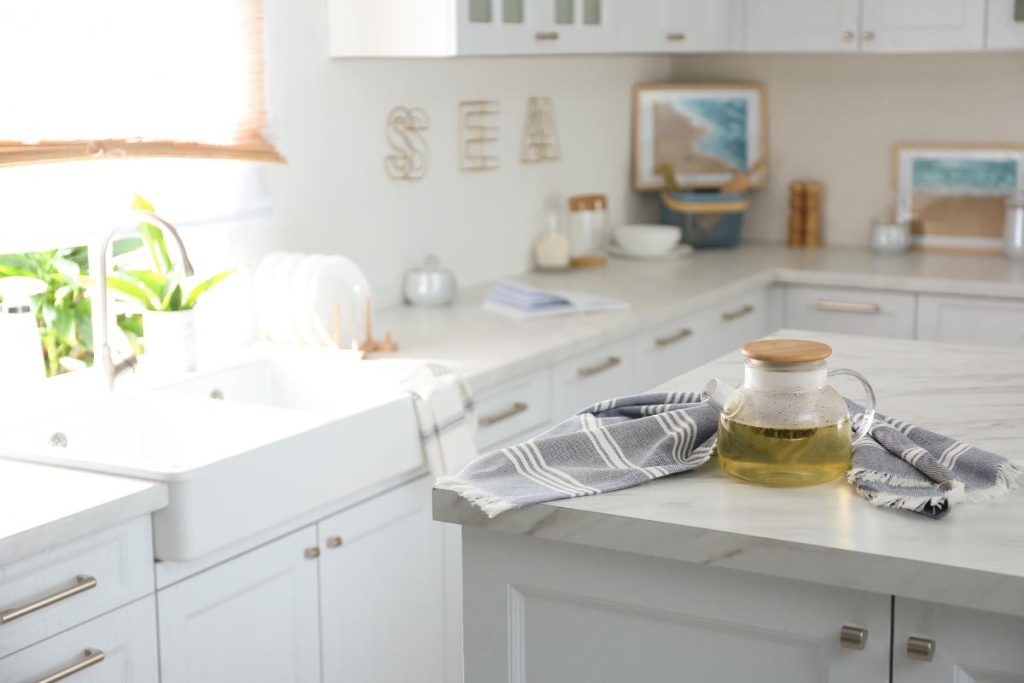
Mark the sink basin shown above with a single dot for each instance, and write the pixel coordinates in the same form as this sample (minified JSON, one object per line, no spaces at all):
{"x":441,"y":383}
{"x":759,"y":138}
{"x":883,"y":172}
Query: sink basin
{"x":283,"y":441}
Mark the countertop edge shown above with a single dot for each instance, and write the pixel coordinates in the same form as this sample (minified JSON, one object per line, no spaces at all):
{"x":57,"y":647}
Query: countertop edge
{"x":902,"y":577}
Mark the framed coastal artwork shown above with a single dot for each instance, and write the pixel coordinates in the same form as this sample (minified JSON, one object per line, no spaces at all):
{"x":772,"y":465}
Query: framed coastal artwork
{"x":955,"y":195}
{"x":700,"y":133}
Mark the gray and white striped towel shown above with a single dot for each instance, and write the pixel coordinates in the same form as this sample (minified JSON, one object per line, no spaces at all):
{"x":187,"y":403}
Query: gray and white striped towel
{"x":627,"y":441}
{"x":446,"y":418}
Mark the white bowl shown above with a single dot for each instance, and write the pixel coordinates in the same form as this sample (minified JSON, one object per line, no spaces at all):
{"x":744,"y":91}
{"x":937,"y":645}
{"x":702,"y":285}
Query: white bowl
{"x":647,"y":240}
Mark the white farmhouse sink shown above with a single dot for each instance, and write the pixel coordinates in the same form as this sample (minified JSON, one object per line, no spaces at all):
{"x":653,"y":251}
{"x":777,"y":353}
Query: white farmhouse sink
{"x":283,"y":442}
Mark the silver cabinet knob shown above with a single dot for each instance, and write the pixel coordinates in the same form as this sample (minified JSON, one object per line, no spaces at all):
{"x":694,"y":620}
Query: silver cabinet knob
{"x":848,"y":36}
{"x":868,"y":36}
{"x":312,"y":553}
{"x":853,"y":637}
{"x":333,"y":542}
{"x":922,"y":649}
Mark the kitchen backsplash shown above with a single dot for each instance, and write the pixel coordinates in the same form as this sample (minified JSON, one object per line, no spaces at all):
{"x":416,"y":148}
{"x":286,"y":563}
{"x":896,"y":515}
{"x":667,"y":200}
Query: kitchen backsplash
{"x":834,"y":118}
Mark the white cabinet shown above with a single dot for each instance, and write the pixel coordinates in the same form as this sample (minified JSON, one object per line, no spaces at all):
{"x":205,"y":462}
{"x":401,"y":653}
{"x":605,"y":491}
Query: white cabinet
{"x":669,"y":350}
{"x":72,"y":583}
{"x":923,"y":25}
{"x":381,"y":589}
{"x":253,"y":618}
{"x":970,"y":320}
{"x":574,"y":26}
{"x":802,"y":25}
{"x":605,"y":372}
{"x":118,"y":647}
{"x":1005,"y":29}
{"x":668,"y":26}
{"x":851,"y":311}
{"x":940,"y":643}
{"x":515,"y":409}
{"x":538,"y":610}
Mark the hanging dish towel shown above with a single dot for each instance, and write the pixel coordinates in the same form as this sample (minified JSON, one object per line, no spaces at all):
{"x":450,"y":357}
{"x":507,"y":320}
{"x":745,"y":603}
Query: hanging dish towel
{"x":627,"y":441}
{"x":447,"y":420}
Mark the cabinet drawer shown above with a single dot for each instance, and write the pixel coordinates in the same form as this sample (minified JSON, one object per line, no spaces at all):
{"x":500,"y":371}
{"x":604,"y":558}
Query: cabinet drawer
{"x":669,"y":350}
{"x":851,"y":311}
{"x":53,"y":591}
{"x":118,"y":647}
{"x":603,"y":373}
{"x":970,"y":320}
{"x":733,"y":323}
{"x":513,"y":408}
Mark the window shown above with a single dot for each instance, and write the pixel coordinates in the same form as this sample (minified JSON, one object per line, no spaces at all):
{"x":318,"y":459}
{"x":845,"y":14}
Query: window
{"x":86,"y":79}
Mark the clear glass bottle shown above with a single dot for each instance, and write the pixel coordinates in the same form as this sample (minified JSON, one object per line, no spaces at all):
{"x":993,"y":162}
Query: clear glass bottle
{"x":785,"y":426}
{"x":1013,"y":231}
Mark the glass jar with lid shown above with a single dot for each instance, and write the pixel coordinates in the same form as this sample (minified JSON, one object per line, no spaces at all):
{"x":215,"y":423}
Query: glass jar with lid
{"x":588,"y":230}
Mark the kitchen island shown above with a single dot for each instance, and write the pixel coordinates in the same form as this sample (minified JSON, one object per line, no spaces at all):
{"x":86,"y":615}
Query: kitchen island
{"x":703,"y":574}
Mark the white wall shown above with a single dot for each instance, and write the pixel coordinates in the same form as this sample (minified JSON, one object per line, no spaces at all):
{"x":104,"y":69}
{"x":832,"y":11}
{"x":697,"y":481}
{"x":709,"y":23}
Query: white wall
{"x":836,"y":117}
{"x":333,"y":195}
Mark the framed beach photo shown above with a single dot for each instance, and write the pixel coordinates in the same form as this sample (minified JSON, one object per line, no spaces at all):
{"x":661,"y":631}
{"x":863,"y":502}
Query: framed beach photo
{"x":955,"y":195}
{"x":704,"y":132}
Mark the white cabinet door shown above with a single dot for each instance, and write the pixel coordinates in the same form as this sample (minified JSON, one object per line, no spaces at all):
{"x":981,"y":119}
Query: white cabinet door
{"x":118,"y":647}
{"x":253,"y":618}
{"x":382,"y":599}
{"x":927,"y":25}
{"x":970,"y":320}
{"x":517,"y":407}
{"x":802,"y":25}
{"x":605,"y":372}
{"x":675,"y":26}
{"x":1005,"y":25}
{"x":540,"y":610}
{"x":850,"y":311}
{"x":495,"y":27}
{"x":574,"y":26}
{"x":967,"y":646}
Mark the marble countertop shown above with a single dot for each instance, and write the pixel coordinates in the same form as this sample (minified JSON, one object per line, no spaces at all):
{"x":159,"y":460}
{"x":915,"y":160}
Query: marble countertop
{"x":489,"y":349}
{"x":42,"y":507}
{"x":827,"y":534}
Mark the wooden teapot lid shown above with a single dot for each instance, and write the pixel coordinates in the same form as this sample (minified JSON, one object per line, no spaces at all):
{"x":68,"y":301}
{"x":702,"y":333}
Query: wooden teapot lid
{"x":787,"y":351}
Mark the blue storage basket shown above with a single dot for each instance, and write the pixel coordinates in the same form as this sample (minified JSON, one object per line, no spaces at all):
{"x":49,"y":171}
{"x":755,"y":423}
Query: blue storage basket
{"x":708,"y":220}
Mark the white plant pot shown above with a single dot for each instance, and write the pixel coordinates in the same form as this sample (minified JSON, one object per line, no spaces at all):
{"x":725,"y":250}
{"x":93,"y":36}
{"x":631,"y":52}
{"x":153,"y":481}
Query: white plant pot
{"x":170,"y":342}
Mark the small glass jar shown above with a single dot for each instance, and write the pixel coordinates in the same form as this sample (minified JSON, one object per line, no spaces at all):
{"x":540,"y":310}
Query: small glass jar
{"x":588,"y":230}
{"x":1013,"y":231}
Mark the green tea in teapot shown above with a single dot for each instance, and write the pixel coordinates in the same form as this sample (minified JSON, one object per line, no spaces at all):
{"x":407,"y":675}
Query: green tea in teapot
{"x":783,"y":456}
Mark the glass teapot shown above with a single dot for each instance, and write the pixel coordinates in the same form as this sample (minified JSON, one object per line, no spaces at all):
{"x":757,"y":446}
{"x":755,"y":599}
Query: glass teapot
{"x":785,"y":426}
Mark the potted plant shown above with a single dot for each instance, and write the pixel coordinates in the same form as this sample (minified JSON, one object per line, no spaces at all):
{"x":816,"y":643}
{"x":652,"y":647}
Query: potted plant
{"x":167,"y":299}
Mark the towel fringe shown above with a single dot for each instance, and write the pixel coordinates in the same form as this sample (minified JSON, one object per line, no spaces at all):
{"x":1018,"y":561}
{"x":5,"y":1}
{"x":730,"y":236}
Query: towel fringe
{"x":490,"y":504}
{"x":1008,"y":478}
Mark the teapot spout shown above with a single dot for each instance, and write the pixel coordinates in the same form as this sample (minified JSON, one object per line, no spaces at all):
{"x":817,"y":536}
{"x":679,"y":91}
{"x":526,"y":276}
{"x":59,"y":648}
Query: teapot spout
{"x":722,"y":397}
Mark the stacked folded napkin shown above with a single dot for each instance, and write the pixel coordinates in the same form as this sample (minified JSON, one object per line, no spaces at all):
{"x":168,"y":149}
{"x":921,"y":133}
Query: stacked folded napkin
{"x":627,"y":441}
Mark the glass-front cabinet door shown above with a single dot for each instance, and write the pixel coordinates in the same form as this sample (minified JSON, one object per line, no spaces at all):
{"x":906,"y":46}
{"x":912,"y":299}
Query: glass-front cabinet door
{"x":534,"y":26}
{"x":676,"y":26}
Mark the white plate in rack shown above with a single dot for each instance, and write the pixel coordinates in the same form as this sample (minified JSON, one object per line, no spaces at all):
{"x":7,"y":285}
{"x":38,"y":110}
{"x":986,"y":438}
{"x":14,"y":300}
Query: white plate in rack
{"x":302,"y":277}
{"x":338,"y":282}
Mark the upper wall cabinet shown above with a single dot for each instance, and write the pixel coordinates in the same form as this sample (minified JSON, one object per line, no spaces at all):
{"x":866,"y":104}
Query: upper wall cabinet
{"x":669,"y":26}
{"x":446,"y":28}
{"x":919,"y":25}
{"x":1005,"y":25}
{"x":802,"y":25}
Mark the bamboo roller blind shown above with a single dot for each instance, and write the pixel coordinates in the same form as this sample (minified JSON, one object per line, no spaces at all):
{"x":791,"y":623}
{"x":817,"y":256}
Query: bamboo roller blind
{"x":87,"y":79}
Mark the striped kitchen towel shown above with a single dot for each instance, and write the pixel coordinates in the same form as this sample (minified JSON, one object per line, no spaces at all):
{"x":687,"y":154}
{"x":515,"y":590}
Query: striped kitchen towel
{"x":627,"y":441}
{"x":446,"y":418}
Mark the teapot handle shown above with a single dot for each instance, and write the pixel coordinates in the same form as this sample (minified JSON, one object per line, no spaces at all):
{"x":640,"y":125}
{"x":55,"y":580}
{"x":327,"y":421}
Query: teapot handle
{"x":869,"y":394}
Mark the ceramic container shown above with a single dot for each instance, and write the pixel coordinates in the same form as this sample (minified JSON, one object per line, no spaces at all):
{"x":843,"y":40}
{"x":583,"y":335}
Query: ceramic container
{"x":429,"y":285}
{"x":647,"y":240}
{"x":890,"y":236}
{"x":170,"y":342}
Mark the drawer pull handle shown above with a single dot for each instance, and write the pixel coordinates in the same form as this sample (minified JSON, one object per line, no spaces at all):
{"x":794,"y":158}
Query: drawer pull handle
{"x":674,"y":37}
{"x":546,"y":35}
{"x":846,"y":307}
{"x":853,"y":637}
{"x":517,"y":408}
{"x":92,"y":658}
{"x":729,"y":316}
{"x":922,"y":649}
{"x":82,"y":584}
{"x":599,"y":368}
{"x":673,"y":338}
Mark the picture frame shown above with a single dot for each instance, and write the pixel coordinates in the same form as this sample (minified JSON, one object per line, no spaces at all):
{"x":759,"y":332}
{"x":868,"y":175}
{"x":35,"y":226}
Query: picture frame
{"x":954,"y":194}
{"x":705,"y":131}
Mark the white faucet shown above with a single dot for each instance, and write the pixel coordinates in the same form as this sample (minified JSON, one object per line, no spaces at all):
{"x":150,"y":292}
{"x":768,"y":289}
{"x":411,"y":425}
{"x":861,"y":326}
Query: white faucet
{"x":103,"y":362}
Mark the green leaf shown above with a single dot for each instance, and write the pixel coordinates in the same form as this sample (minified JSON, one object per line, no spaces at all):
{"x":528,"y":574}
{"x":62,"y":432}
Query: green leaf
{"x":126,"y":245}
{"x":205,"y":286}
{"x":157,"y":284}
{"x":134,"y":291}
{"x":172,"y":302}
{"x":18,"y":264}
{"x":140,"y":203}
{"x":154,"y":239}
{"x":67,"y":268}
